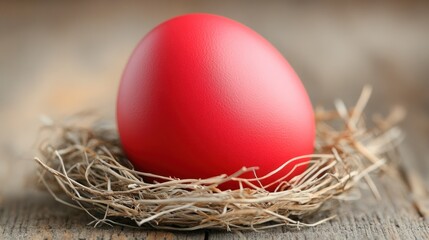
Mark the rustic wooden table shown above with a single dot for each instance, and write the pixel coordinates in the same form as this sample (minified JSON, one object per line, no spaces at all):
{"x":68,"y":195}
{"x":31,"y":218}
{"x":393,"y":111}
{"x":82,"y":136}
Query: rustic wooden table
{"x":59,"y":58}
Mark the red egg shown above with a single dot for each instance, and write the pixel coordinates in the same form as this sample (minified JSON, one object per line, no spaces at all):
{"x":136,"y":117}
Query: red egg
{"x":203,"y":95}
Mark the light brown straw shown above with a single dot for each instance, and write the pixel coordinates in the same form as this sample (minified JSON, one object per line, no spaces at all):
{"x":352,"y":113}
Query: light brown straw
{"x":82,"y":166}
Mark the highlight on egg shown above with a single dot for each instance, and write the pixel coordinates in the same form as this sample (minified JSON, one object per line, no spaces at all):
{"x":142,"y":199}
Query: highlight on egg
{"x":203,"y":95}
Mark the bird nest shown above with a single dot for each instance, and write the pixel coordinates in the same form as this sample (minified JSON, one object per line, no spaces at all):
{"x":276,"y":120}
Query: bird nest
{"x":83,"y":166}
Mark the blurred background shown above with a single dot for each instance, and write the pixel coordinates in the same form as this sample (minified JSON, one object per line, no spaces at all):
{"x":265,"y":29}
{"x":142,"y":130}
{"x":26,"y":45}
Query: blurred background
{"x":60,"y":57}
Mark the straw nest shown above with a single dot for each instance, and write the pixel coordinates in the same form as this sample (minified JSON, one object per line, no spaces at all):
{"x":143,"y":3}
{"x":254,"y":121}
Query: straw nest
{"x":83,"y":160}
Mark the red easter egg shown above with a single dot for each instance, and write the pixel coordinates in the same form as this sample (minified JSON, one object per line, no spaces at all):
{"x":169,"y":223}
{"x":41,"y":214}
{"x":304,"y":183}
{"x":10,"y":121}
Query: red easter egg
{"x":203,"y":95}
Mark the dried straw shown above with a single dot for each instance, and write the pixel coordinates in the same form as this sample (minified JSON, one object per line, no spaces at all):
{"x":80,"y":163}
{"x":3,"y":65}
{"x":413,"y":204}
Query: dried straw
{"x":88,"y":166}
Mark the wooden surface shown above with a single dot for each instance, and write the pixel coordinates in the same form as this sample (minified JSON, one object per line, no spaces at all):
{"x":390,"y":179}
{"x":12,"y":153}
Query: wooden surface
{"x":57,"y":59}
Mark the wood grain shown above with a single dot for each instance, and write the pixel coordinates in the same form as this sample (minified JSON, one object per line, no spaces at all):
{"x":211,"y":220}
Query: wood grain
{"x":36,"y":215}
{"x":59,"y":58}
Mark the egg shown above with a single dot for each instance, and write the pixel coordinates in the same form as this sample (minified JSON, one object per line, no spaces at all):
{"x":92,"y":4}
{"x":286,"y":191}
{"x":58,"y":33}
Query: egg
{"x":203,"y":95}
